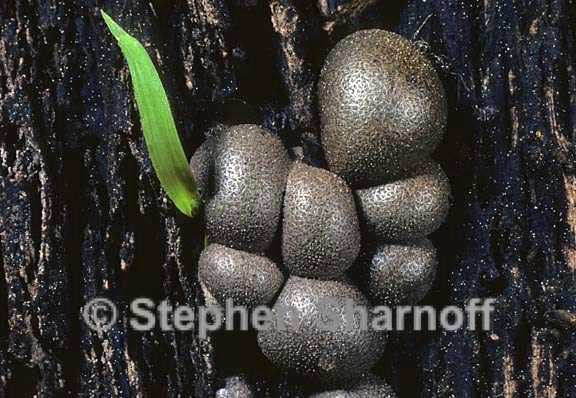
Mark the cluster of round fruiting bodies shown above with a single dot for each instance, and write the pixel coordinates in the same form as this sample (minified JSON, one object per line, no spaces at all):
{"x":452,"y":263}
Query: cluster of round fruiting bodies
{"x":383,"y":112}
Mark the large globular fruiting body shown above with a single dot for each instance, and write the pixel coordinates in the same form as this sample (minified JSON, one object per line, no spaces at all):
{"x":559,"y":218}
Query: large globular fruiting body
{"x":382,"y":107}
{"x":410,"y":208}
{"x":245,"y":278}
{"x":327,"y":345}
{"x":400,"y":273}
{"x":250,"y":166}
{"x":369,"y":387}
{"x":321,"y":234}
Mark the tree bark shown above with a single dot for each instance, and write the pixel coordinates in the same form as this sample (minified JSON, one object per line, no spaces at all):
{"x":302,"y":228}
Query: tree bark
{"x":82,"y":214}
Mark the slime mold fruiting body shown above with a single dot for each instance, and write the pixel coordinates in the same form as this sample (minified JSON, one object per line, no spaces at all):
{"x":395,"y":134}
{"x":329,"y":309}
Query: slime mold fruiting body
{"x":202,"y":165}
{"x":310,"y":349}
{"x":410,"y":208}
{"x":370,"y":387}
{"x":382,"y":107}
{"x":245,"y":278}
{"x":235,"y":387}
{"x":382,"y":113}
{"x":400,"y":273}
{"x":321,"y":235}
{"x":250,"y":168}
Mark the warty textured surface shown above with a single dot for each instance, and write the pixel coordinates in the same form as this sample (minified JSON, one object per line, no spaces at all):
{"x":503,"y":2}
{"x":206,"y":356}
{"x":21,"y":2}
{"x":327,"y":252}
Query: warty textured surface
{"x":202,"y":167}
{"x":382,"y":107}
{"x":250,"y":170}
{"x":202,"y":162}
{"x":400,"y":273}
{"x":321,"y":234}
{"x":331,"y":357}
{"x":370,"y":387}
{"x":410,"y":208}
{"x":236,"y":387}
{"x":248,"y":279}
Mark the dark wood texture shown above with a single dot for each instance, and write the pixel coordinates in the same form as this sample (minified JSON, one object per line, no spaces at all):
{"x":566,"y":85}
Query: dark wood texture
{"x":82,"y":215}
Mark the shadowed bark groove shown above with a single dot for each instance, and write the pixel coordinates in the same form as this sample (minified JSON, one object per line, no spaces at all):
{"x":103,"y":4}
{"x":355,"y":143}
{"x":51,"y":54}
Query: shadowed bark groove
{"x":82,"y":214}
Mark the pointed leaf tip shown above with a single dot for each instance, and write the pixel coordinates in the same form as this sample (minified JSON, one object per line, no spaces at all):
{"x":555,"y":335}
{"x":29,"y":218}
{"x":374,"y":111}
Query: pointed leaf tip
{"x":162,"y":140}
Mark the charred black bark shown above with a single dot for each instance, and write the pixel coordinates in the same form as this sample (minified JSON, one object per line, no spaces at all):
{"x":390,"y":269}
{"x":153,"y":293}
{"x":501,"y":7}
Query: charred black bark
{"x":82,"y":215}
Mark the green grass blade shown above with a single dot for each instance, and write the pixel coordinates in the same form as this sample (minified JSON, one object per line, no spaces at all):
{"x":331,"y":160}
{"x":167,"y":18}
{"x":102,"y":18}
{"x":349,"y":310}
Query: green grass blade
{"x":164,"y":146}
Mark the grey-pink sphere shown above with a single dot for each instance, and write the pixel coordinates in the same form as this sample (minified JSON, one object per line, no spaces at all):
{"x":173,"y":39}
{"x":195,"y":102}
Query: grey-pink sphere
{"x":313,"y":349}
{"x":382,"y":107}
{"x":247,"y":279}
{"x":321,"y":233}
{"x":250,"y":166}
{"x":410,"y":208}
{"x":400,"y":273}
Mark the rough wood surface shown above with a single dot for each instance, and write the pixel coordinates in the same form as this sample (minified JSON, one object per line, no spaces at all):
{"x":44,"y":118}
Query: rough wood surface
{"x":82,"y":215}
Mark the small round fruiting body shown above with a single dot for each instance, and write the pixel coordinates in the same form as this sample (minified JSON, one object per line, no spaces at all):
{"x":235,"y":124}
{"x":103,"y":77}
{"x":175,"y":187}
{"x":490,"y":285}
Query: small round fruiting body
{"x":410,"y":208}
{"x":250,"y":169}
{"x":321,"y":233}
{"x":327,"y":344}
{"x":400,"y":273}
{"x":236,"y":387}
{"x":382,"y":107}
{"x":247,"y":279}
{"x":370,"y":387}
